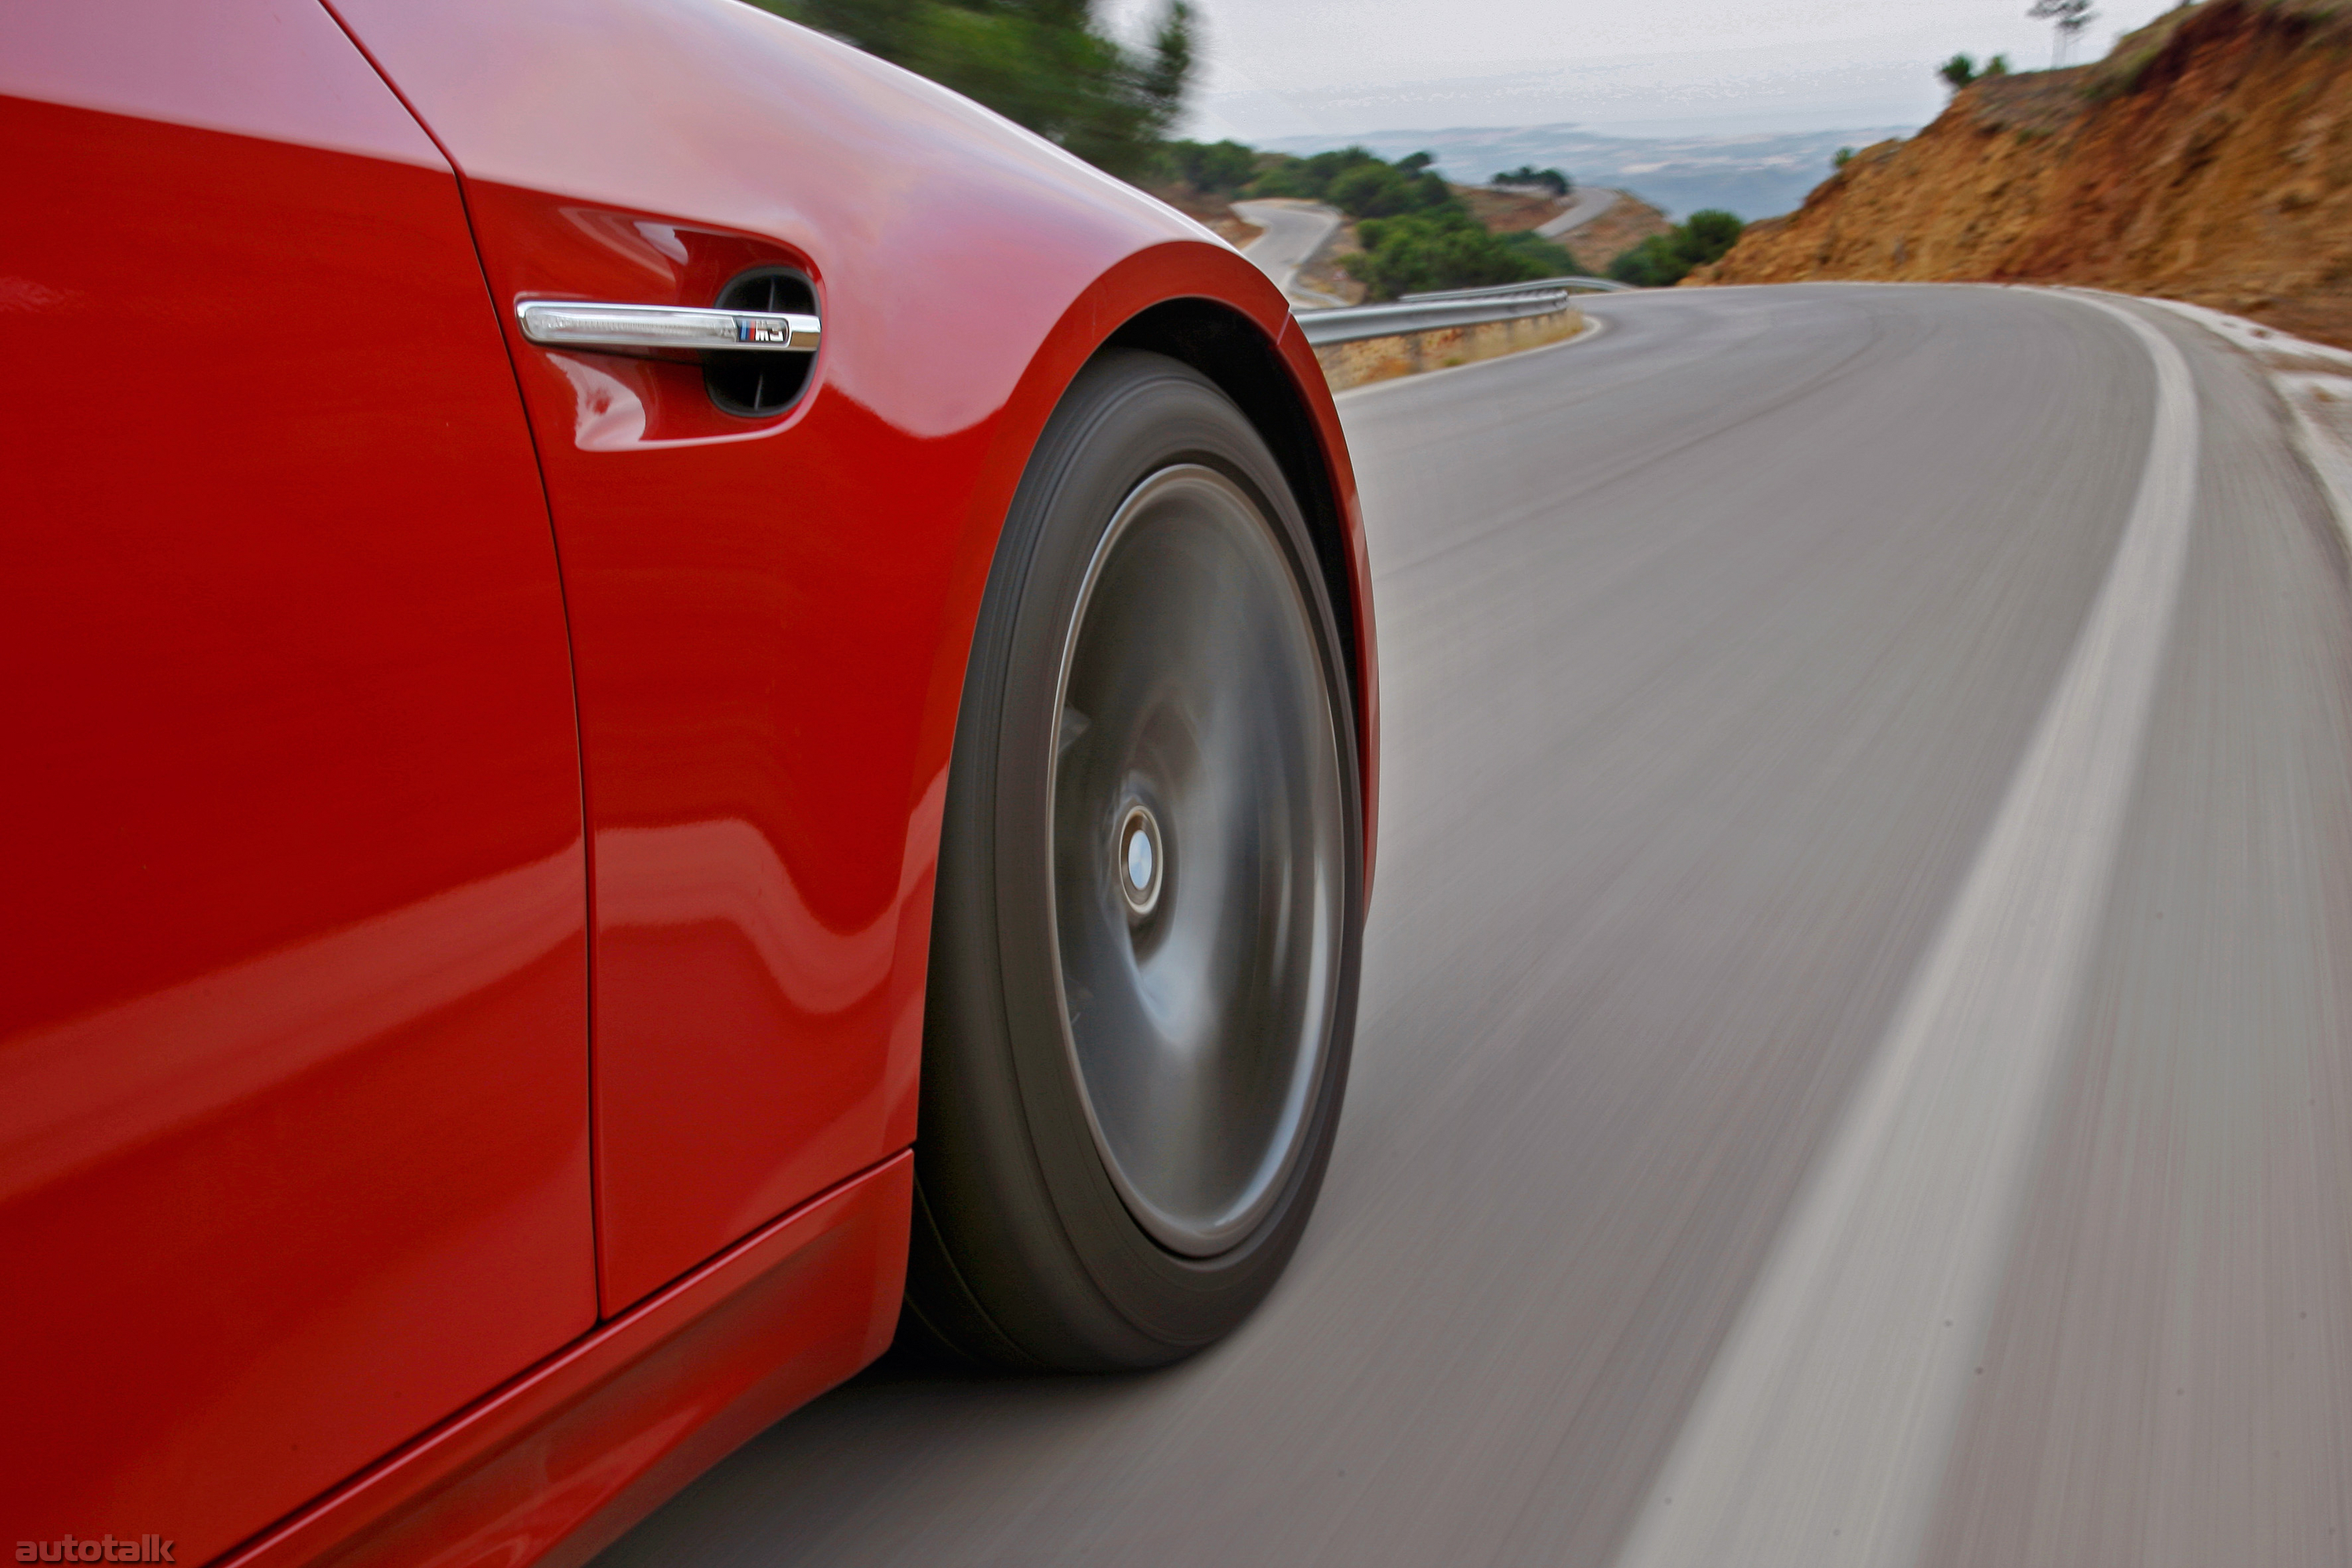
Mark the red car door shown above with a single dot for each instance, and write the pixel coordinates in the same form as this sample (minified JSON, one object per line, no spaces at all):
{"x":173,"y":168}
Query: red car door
{"x":293,"y":1073}
{"x":761,"y":601}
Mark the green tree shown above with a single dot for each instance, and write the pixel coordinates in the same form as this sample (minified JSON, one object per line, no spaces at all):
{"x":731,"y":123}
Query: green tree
{"x":1310,"y":178}
{"x":1957,"y":71}
{"x":1359,"y":182}
{"x":1552,"y":180}
{"x":1997,"y":65}
{"x":2066,"y":18}
{"x":1550,"y":260}
{"x":1708,"y":234}
{"x":1416,"y":235}
{"x":1227,"y":166}
{"x":1444,"y":249}
{"x":1652,"y":264}
{"x":1664,"y":260}
{"x":1384,"y":190}
{"x":1045,"y":63}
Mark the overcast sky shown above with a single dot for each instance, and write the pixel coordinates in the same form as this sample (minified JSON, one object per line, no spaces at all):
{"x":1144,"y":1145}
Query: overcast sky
{"x":1287,"y":67}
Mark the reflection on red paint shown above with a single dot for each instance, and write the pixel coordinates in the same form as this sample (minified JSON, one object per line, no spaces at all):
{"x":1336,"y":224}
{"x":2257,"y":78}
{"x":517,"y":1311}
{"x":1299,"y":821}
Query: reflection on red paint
{"x":293,"y":1076}
{"x":314,"y":750}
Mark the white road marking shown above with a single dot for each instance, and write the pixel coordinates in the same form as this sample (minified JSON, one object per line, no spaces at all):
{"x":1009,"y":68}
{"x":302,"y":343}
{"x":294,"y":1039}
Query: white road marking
{"x":2263,"y":342}
{"x":1820,"y":1435}
{"x":2318,"y":403}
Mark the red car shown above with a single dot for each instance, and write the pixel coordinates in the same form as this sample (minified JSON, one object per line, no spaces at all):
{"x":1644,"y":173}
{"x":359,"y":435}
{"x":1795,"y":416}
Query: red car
{"x":643,"y":655}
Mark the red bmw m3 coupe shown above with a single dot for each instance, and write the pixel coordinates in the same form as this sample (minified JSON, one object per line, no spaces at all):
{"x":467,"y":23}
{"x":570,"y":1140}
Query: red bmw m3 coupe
{"x":673,"y":703}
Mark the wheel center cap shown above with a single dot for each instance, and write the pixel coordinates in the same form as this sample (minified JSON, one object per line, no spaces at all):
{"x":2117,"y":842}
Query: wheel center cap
{"x":1140,"y":860}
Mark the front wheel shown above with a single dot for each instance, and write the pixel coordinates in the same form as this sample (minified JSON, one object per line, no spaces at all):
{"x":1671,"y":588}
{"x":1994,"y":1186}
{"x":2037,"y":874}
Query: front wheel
{"x":1149,"y":900}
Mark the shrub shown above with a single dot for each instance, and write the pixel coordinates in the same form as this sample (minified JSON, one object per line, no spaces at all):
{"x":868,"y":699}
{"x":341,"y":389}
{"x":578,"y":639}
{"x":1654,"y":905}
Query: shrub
{"x":1554,"y":260}
{"x":1446,"y":249}
{"x":1664,"y":260}
{"x":1310,"y":178}
{"x":1416,"y":236}
{"x":1383,"y":190}
{"x":1651,"y":264}
{"x":1708,"y":234}
{"x":1957,"y":71}
{"x":1227,"y":166}
{"x":1552,"y":180}
{"x":1358,"y":183}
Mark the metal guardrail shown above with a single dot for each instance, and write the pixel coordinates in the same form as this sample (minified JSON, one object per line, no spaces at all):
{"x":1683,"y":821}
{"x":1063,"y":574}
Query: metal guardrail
{"x":1500,"y":291}
{"x":1350,"y":322}
{"x":1448,"y":308}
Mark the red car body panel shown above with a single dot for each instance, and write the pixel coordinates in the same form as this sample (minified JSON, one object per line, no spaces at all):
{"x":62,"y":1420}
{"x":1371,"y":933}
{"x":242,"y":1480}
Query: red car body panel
{"x":298,"y":670}
{"x":552,"y":1468}
{"x":293,"y":1033}
{"x":769,"y":618}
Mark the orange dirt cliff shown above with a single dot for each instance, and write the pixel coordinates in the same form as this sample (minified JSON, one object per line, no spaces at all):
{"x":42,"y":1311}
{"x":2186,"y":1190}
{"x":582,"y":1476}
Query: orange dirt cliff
{"x":2209,"y":157}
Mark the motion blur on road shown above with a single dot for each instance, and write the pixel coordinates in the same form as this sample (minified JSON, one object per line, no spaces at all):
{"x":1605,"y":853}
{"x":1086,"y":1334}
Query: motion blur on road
{"x":1857,"y":1031}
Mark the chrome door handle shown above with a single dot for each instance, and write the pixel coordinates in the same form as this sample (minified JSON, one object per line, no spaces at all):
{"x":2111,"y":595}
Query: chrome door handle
{"x":563,"y":323}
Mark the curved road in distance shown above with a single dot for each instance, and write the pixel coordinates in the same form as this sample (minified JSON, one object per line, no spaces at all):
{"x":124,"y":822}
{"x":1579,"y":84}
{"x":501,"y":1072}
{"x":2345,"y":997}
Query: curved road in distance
{"x":1589,"y":203}
{"x":1295,"y":231}
{"x":1746,"y":748}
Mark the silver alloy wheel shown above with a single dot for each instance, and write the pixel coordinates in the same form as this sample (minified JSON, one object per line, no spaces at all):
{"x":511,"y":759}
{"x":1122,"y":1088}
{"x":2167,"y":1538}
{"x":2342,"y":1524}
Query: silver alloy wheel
{"x":1197,"y":868}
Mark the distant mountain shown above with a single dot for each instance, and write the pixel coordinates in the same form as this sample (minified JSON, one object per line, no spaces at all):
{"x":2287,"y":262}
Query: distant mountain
{"x":1756,"y":175}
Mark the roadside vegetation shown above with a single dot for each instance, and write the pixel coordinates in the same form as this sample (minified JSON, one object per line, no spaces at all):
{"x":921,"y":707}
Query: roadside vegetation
{"x":1423,"y":252}
{"x":1416,"y":233}
{"x":1047,"y":64}
{"x":1050,"y":65}
{"x":1219,"y":168}
{"x":1664,"y":260}
{"x":1527,"y":176}
{"x":1961,"y":69}
{"x":1358,"y":183}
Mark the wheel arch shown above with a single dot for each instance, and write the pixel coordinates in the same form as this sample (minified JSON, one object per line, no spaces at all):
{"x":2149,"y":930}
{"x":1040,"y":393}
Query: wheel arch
{"x":1200,"y":303}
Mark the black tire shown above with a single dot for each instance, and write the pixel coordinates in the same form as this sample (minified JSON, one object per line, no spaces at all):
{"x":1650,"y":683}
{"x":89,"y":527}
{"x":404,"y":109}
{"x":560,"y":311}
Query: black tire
{"x":1118,"y":1185}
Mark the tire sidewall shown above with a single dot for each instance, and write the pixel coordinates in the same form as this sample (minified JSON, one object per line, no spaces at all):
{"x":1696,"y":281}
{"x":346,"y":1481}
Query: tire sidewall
{"x":1127,"y":416}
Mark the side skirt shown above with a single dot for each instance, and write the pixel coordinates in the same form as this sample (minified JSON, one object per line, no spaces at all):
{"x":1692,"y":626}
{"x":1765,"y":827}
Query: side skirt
{"x":555,"y":1466}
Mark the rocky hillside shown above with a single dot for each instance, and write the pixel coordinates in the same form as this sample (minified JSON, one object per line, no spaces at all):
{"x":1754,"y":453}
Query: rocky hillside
{"x":2209,"y":157}
{"x":1626,"y":223}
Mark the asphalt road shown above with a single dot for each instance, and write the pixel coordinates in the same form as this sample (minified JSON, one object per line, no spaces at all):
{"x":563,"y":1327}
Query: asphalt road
{"x":1857,"y":1032}
{"x":1295,"y":230}
{"x":1589,"y":203}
